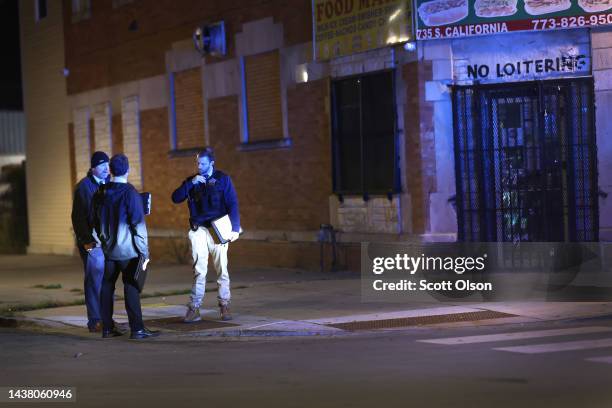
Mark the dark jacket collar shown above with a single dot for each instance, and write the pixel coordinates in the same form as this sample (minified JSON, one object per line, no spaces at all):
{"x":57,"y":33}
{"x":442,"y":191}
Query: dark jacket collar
{"x":90,"y":176}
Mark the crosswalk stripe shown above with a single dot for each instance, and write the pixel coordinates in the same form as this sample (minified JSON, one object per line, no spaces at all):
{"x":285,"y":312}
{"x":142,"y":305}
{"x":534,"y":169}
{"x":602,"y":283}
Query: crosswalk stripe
{"x":555,"y":347}
{"x":486,"y":338}
{"x":605,"y":359}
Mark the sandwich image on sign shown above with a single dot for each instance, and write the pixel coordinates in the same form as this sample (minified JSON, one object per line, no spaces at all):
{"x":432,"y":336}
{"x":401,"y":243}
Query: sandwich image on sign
{"x":495,"y":8}
{"x":537,"y":7}
{"x":595,"y":6}
{"x":442,"y":12}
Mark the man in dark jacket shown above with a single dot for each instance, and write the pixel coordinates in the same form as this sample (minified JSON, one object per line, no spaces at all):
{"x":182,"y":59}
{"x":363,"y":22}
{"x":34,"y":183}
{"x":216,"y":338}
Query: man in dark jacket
{"x":86,"y":240}
{"x":119,"y":219}
{"x":210,"y":195}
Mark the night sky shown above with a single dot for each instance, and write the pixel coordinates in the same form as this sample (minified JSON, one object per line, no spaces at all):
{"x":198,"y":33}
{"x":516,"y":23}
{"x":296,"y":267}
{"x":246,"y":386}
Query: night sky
{"x":10,"y":66}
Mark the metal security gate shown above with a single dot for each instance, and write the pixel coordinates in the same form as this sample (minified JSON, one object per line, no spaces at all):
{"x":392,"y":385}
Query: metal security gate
{"x":526,"y":162}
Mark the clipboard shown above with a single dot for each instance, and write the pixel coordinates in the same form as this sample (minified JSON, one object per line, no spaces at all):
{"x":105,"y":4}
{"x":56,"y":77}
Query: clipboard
{"x":223,"y":228}
{"x":146,"y":202}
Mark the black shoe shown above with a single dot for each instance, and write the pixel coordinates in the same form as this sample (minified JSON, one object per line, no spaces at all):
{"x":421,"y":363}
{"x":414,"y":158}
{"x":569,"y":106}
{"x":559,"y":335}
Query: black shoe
{"x":123,"y":327}
{"x":144,"y":334}
{"x":106,"y":334}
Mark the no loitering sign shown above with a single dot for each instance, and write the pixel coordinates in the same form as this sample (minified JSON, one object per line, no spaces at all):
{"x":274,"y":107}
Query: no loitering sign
{"x":521,"y":57}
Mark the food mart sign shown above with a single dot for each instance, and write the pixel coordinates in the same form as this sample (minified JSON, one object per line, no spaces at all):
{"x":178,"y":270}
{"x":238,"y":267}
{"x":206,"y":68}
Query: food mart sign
{"x":464,"y":18}
{"x":345,"y":27}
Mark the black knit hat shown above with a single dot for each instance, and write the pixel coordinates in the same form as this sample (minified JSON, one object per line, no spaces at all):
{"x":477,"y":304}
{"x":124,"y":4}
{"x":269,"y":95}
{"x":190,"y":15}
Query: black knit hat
{"x":98,"y":158}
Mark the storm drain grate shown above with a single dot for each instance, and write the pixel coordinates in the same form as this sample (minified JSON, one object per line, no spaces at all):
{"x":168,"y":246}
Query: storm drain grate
{"x":420,"y":320}
{"x":177,"y":324}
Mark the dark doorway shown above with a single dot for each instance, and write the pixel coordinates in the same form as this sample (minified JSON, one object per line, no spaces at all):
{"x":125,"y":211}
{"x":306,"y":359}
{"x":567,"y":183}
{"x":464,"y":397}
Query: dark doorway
{"x":526,"y":157}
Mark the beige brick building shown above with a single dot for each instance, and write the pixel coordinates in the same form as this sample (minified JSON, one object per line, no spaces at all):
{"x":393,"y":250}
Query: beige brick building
{"x":47,"y":117}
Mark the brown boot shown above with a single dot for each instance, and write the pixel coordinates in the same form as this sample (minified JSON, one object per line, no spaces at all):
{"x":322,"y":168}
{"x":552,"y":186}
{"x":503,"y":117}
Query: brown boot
{"x":225,"y":312}
{"x":96,"y":328}
{"x":193,"y":315}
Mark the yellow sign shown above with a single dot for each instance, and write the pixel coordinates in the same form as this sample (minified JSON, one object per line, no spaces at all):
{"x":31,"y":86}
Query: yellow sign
{"x":344,"y":27}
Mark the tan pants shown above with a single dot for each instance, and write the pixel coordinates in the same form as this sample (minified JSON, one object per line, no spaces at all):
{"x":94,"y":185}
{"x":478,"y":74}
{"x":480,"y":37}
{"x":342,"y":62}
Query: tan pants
{"x":202,"y":244}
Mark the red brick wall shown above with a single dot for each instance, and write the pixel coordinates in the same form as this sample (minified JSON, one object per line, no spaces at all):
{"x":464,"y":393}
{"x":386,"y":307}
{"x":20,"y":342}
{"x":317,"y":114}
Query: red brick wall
{"x":101,"y":51}
{"x":277,"y":189}
{"x":117,"y":130}
{"x":420,"y":153}
{"x":280,"y":188}
{"x":72,"y":161}
{"x":161,"y":174}
{"x":189,"y":108}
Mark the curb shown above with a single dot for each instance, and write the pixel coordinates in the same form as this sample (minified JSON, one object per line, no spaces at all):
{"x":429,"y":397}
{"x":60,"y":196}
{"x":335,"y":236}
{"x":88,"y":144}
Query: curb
{"x":9,"y":322}
{"x":268,"y":333}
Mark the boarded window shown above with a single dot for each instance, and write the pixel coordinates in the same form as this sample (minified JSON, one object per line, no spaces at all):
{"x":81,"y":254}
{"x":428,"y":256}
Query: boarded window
{"x":263,"y":96}
{"x":119,"y":3}
{"x":41,"y":9}
{"x":81,"y":9}
{"x":188,"y":109}
{"x":364,"y":135}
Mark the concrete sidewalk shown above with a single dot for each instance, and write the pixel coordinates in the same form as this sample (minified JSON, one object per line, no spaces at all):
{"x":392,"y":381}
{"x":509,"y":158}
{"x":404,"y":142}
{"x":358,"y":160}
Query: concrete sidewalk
{"x":265,"y":302}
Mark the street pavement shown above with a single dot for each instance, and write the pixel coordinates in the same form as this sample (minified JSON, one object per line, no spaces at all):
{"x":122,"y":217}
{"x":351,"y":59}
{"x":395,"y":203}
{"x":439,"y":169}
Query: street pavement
{"x":542,"y":364}
{"x":291,"y":344}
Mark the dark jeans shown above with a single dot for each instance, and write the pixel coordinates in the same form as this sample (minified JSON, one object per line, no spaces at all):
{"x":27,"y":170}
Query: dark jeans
{"x":93,"y":267}
{"x":130,"y":290}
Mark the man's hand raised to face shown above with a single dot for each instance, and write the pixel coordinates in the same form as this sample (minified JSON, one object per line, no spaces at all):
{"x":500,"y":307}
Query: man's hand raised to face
{"x":198,"y":179}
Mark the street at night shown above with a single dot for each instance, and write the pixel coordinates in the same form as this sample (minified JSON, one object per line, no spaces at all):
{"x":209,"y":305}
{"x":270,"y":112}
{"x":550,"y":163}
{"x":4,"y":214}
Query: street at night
{"x":391,"y":368}
{"x":306,"y":203}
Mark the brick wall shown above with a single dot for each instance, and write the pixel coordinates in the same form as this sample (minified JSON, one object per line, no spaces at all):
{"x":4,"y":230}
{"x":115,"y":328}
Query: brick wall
{"x":420,"y":143}
{"x":277,"y":189}
{"x":71,"y":153}
{"x":281,"y":188}
{"x":101,"y":51}
{"x":46,"y":124}
{"x":161,"y":175}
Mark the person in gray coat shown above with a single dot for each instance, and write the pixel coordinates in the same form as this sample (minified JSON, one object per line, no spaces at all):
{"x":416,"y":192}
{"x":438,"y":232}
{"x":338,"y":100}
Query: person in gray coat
{"x":119,"y":219}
